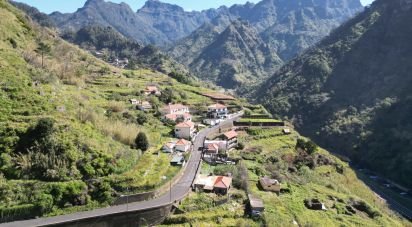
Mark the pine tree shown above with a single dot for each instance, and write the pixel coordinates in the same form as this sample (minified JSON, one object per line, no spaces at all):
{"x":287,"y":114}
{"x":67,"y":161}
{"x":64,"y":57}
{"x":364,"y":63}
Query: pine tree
{"x":43,"y":49}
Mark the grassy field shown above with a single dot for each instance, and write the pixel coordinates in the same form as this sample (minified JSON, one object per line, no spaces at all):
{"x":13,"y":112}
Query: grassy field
{"x":269,"y":152}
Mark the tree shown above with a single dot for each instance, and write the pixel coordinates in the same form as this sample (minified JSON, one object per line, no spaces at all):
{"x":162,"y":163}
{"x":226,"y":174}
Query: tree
{"x":141,"y":118}
{"x":167,"y":96}
{"x":142,"y":142}
{"x":311,"y":147}
{"x":43,"y":49}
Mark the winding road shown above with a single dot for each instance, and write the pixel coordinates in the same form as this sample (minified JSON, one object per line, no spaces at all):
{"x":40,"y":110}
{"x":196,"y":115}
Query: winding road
{"x":178,"y":192}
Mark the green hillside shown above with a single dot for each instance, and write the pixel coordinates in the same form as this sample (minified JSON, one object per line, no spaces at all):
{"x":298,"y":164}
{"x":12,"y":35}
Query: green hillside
{"x":352,"y":91}
{"x":67,"y":129}
{"x":303,"y":176}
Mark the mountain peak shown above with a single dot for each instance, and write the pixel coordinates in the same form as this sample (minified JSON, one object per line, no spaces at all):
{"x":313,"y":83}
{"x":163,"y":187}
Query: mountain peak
{"x":156,"y":5}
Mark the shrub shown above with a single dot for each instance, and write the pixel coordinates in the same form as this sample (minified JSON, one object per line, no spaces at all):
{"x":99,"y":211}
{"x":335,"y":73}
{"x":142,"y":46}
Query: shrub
{"x":141,"y":118}
{"x":142,"y":142}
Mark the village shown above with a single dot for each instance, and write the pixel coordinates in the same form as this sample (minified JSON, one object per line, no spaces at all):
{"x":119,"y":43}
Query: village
{"x":218,"y":147}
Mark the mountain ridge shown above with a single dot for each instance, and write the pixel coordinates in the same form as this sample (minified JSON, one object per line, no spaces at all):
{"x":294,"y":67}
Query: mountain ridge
{"x":351,"y":91}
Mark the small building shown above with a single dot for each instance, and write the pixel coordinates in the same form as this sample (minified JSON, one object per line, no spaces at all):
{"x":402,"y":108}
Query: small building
{"x":133,"y":101}
{"x":179,"y":117}
{"x":217,"y":184}
{"x":286,"y":131}
{"x":222,"y":185}
{"x":231,"y":138}
{"x":269,"y":184}
{"x":144,"y":106}
{"x":222,"y":144}
{"x":183,"y":145}
{"x":212,"y":122}
{"x":217,"y":111}
{"x":212,"y":149}
{"x":185,"y":130}
{"x":204,"y":183}
{"x":175,"y":109}
{"x":255,"y":205}
{"x":178,"y":160}
{"x":152,"y":90}
{"x":169,"y":147}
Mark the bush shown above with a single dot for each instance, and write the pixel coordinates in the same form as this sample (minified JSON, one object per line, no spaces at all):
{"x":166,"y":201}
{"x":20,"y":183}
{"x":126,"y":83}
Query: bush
{"x":142,"y":142}
{"x":141,"y":118}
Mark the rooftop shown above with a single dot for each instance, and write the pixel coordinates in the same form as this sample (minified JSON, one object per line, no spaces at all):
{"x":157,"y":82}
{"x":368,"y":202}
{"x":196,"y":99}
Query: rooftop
{"x":223,"y":182}
{"x":182,"y":142}
{"x":255,"y":202}
{"x":187,"y":124}
{"x":217,"y":106}
{"x":212,"y":147}
{"x":231,"y":134}
{"x":268,"y":181}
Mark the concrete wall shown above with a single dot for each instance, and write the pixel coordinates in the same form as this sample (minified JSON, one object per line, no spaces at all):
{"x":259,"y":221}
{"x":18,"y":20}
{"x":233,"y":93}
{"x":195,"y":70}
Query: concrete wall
{"x":132,"y":219}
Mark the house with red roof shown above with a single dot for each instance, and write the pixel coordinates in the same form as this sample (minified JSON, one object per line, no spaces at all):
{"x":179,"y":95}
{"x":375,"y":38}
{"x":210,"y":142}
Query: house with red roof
{"x":182,"y":117}
{"x":222,"y":185}
{"x":231,"y":138}
{"x":183,"y":145}
{"x":217,"y":184}
{"x":169,"y":147}
{"x":212,"y":149}
{"x":185,"y":130}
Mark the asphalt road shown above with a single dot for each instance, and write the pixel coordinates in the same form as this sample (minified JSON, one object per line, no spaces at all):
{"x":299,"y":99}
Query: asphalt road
{"x":177,"y":192}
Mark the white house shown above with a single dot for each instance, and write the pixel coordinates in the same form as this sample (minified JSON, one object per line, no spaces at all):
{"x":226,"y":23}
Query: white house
{"x":217,"y":111}
{"x":175,"y":109}
{"x":169,"y":147}
{"x":183,"y":145}
{"x":231,"y":138}
{"x":185,"y":130}
{"x":174,"y":117}
{"x":133,"y":101}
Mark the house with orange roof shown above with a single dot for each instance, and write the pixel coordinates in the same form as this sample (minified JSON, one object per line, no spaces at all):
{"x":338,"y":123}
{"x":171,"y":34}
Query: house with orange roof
{"x":222,"y":185}
{"x":217,"y":184}
{"x":169,"y":147}
{"x":183,"y":145}
{"x":178,"y":117}
{"x":185,"y":130}
{"x":212,"y":149}
{"x":231,"y":138}
{"x":222,"y":144}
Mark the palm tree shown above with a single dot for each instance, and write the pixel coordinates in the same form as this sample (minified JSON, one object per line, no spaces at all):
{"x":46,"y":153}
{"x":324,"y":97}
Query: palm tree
{"x":43,"y":49}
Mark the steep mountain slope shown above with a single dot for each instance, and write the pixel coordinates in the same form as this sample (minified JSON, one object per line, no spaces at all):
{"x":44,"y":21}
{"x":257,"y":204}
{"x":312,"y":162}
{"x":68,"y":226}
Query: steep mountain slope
{"x":238,"y":55}
{"x":108,"y":44}
{"x":288,"y":27}
{"x":67,"y":129}
{"x":352,"y":91}
{"x":155,"y":23}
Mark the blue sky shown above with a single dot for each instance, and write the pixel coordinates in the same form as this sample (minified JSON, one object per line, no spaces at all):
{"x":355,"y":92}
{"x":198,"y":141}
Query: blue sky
{"x":68,"y":6}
